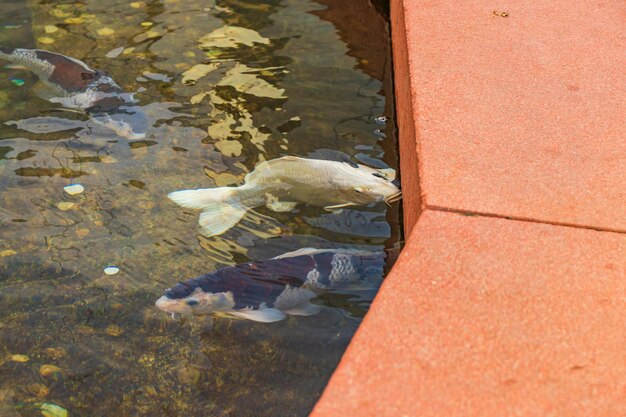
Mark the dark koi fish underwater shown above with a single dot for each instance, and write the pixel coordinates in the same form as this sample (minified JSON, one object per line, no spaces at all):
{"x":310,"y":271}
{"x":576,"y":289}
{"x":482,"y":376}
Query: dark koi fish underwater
{"x":269,"y":290}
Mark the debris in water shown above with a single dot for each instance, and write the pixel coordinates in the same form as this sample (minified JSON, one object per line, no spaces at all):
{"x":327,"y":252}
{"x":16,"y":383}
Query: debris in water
{"x":46,"y":40}
{"x":75,"y":20}
{"x":47,"y":370}
{"x":114,"y":53}
{"x":114,"y":330}
{"x":105,"y":31}
{"x":7,"y":252}
{"x":39,"y":390}
{"x":74,"y":189}
{"x":65,"y":205}
{"x":51,"y":410}
{"x":156,"y":76}
{"x":108,"y":159}
{"x":111,"y":270}
{"x":56,"y":353}
{"x":19,"y":358}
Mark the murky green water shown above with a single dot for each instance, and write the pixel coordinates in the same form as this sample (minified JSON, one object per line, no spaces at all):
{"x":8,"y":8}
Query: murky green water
{"x":302,"y":77}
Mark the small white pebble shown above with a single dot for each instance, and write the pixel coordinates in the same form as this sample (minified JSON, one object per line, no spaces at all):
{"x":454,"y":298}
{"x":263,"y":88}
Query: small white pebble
{"x":74,"y":189}
{"x":111,"y":270}
{"x":114,"y":53}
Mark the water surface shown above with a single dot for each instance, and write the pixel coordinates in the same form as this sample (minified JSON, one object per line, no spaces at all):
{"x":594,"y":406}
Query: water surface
{"x":225,"y":84}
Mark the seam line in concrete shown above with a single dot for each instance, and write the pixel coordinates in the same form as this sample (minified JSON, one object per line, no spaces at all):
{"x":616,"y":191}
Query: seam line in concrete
{"x":523,"y":219}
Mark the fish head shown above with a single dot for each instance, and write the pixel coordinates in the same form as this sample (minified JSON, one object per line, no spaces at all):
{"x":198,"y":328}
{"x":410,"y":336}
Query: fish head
{"x":195,"y":302}
{"x":364,"y":185}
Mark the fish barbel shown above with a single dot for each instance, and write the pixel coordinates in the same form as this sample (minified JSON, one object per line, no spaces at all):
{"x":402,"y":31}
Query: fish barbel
{"x":282,"y":183}
{"x":267,"y":291}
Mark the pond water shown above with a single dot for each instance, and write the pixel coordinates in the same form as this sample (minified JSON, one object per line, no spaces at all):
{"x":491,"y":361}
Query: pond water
{"x":224,"y":84}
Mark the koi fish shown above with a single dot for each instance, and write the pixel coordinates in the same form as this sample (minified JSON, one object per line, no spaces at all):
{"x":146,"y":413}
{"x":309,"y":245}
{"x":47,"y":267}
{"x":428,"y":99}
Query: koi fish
{"x":71,"y":83}
{"x":282,"y":183}
{"x":269,"y":290}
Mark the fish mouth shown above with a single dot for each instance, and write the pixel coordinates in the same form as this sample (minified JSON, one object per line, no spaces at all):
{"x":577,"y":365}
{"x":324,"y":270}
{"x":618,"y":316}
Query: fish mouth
{"x":168,"y":305}
{"x":393,"y":198}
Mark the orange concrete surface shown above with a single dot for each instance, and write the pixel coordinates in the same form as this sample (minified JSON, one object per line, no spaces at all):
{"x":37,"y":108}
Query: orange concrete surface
{"x":491,"y":317}
{"x":513,"y":113}
{"x":521,"y":116}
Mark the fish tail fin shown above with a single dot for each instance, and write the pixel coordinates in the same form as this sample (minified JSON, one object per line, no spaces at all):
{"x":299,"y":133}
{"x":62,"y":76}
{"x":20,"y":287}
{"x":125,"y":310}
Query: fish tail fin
{"x":202,"y":197}
{"x":220,"y":211}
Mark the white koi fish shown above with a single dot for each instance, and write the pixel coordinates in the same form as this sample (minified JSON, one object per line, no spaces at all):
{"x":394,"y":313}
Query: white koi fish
{"x":282,"y":183}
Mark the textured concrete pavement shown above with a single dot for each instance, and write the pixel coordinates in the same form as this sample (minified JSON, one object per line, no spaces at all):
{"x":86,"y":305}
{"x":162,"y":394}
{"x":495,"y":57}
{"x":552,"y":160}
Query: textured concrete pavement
{"x":510,"y":296}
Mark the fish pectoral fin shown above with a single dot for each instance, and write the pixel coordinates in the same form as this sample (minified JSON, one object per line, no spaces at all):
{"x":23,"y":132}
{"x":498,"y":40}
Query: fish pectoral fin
{"x":265,"y":315}
{"x":281,"y":206}
{"x":305,"y":309}
{"x":17,"y":67}
{"x":338,"y":206}
{"x":46,"y":91}
{"x":388,"y":173}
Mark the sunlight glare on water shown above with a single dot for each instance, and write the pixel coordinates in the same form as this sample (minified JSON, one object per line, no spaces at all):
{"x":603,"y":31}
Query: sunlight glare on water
{"x":220,"y":86}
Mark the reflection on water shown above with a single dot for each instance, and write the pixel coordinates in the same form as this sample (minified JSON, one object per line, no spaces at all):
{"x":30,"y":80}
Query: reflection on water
{"x":223,"y":85}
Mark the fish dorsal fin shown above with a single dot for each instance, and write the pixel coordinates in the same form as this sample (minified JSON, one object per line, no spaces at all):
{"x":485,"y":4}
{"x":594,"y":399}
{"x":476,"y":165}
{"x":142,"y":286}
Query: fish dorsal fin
{"x":265,"y":315}
{"x":299,"y":252}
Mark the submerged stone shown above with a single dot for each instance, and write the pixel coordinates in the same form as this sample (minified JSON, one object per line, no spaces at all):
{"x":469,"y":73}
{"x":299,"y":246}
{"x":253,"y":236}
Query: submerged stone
{"x":19,"y":358}
{"x":111,"y":270}
{"x":47,"y":370}
{"x":74,"y":189}
{"x":52,"y":410}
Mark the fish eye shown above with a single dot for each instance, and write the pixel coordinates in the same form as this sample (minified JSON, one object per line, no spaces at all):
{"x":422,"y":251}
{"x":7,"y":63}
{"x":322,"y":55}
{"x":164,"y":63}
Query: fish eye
{"x":192,"y":302}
